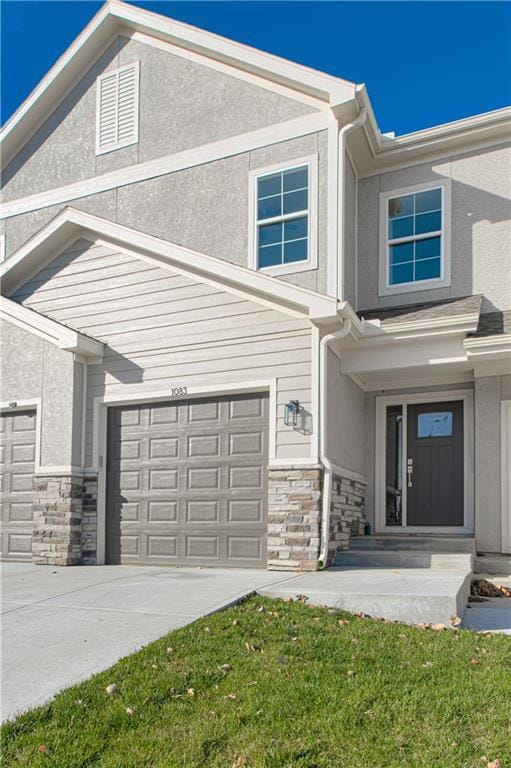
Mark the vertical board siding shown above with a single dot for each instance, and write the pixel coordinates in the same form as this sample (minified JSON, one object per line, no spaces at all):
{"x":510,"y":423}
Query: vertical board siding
{"x":165,"y":330}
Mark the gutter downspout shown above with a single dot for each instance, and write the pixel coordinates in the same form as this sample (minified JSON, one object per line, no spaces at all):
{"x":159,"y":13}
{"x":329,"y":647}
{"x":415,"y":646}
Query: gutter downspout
{"x":327,"y":485}
{"x":359,"y":120}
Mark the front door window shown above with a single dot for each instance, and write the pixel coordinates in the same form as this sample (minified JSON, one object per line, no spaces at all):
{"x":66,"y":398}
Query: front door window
{"x":424,"y":465}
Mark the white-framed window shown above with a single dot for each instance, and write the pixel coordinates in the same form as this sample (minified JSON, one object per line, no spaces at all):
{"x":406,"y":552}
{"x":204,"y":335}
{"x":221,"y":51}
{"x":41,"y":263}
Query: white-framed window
{"x":283,"y":217}
{"x":117,"y":99}
{"x":415,"y":238}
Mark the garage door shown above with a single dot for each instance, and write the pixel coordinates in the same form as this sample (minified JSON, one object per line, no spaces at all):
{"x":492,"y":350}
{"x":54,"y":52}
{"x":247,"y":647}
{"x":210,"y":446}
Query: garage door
{"x":187,"y":482}
{"x":17,"y":457}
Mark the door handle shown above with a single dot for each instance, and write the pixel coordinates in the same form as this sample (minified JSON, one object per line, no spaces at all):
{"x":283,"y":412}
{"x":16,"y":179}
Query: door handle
{"x":409,"y":470}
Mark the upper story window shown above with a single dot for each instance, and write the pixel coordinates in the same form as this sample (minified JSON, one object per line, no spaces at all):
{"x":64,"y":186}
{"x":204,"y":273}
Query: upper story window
{"x":117,"y":108}
{"x":414,"y":235}
{"x":283,"y":220}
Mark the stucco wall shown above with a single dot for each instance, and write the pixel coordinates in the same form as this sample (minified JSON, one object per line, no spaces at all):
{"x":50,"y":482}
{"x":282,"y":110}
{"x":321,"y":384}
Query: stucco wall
{"x":32,"y":368}
{"x":205,"y":208}
{"x":345,"y":419}
{"x":480,"y":228}
{"x":489,"y":392}
{"x":164,"y":330}
{"x":183,"y":104}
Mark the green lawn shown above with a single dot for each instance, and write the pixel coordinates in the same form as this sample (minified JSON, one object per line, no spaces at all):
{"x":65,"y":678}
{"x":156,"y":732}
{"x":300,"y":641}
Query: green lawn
{"x":303,"y":688}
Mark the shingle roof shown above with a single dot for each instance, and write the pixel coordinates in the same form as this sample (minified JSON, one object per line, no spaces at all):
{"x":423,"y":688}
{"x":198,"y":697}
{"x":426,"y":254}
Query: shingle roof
{"x":493,"y":324}
{"x":431,"y":310}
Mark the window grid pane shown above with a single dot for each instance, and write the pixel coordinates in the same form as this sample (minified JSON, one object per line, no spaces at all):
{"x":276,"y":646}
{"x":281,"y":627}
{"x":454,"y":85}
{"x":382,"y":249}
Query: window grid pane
{"x":282,"y":233}
{"x":413,"y":256}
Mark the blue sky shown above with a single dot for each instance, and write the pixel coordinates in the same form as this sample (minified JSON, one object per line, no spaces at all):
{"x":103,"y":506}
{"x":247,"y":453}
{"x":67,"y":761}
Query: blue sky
{"x":424,"y":63}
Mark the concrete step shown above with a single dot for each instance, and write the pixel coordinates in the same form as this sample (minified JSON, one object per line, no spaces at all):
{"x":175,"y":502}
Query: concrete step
{"x":374,"y":558}
{"x":410,"y":595}
{"x":499,"y":565}
{"x":451,"y":544}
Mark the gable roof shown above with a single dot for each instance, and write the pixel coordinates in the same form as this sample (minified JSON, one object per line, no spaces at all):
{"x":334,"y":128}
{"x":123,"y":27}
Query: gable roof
{"x":116,"y":18}
{"x":70,"y":225}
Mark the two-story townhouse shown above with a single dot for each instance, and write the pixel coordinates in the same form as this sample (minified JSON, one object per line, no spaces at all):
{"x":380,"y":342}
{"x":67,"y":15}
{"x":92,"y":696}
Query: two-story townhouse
{"x":240,"y":325}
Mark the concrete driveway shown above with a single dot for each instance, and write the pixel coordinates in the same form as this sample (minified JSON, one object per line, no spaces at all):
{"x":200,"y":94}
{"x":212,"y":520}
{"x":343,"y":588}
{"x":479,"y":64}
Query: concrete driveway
{"x":61,"y":625}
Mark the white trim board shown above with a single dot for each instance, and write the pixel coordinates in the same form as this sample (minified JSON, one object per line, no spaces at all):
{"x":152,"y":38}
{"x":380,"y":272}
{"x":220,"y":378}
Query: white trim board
{"x":70,"y":224}
{"x":506,"y":475}
{"x":161,"y":166}
{"x":51,"y":330}
{"x":112,"y":19}
{"x":467,"y":397}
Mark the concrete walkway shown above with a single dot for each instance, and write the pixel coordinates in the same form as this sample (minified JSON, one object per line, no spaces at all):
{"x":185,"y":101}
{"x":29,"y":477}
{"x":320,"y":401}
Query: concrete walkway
{"x":61,"y":625}
{"x":408,"y":595}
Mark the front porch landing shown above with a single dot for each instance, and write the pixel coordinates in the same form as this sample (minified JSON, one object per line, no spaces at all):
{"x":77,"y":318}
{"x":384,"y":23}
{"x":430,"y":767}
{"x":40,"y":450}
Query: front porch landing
{"x":410,"y":595}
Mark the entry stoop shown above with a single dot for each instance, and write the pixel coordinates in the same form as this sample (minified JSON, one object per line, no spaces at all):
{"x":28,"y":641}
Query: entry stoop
{"x":415,"y":585}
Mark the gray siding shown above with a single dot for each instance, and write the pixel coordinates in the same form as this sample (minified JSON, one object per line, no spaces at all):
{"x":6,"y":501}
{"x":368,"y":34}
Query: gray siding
{"x":164,"y":330}
{"x":480,"y":228}
{"x":182,"y":105}
{"x":32,"y":368}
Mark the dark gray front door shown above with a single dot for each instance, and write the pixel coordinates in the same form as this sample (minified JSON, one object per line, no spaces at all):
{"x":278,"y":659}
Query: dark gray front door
{"x":434,"y":471}
{"x":187,"y":482}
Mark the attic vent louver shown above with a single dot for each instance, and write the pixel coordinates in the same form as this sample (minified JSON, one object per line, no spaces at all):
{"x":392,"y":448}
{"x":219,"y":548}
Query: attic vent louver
{"x":117,"y":108}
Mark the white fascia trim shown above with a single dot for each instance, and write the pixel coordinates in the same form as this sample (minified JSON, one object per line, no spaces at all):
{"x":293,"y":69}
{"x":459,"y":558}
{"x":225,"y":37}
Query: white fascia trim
{"x":311,"y":161}
{"x":226,"y":69}
{"x":71,"y":224}
{"x":108,"y":23}
{"x":161,"y":166}
{"x":274,"y":68}
{"x":50,"y":330}
{"x":498,"y":345}
{"x":384,"y":287}
{"x":383,"y":154}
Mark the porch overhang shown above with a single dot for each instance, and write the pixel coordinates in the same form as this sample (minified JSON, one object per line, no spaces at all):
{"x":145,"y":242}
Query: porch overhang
{"x":423,"y":347}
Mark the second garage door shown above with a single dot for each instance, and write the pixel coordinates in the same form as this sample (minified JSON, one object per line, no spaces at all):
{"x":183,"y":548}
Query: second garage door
{"x":17,"y":457}
{"x":186,"y":482}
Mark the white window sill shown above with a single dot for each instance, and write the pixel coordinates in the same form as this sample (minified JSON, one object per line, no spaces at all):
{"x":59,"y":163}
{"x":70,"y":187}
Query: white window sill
{"x":288,"y":269}
{"x":417,"y":287}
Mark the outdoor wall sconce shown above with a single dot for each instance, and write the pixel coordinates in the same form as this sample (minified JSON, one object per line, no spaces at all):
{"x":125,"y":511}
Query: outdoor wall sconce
{"x":291,"y":413}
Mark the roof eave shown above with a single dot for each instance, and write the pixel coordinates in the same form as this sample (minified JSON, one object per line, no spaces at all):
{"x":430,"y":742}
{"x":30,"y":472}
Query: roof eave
{"x":71,"y":224}
{"x":63,"y":337}
{"x":116,"y":16}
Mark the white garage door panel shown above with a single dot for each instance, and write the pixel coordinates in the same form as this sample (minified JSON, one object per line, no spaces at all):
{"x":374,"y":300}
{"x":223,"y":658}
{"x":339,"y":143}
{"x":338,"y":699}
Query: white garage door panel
{"x":17,"y":457}
{"x":187,"y":482}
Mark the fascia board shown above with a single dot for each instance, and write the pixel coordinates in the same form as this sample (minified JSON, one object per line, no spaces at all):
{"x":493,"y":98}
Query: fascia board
{"x":57,"y":83}
{"x":296,"y":76}
{"x":404,"y":355}
{"x":103,"y":28}
{"x":52,"y":331}
{"x":380,"y":154}
{"x":496,"y":346}
{"x":71,"y":224}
